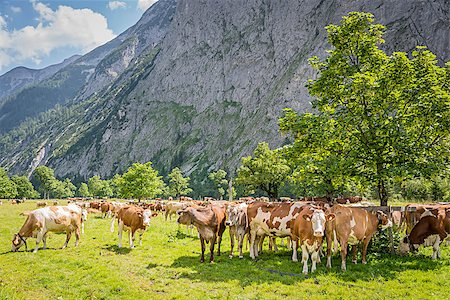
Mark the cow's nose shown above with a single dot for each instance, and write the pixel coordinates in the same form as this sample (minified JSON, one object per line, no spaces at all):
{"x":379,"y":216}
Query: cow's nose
{"x":318,"y":233}
{"x":227,"y":223}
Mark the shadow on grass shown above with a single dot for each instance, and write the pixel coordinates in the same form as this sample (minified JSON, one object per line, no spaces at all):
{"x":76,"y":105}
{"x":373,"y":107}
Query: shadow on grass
{"x":117,"y":250}
{"x":270,"y":267}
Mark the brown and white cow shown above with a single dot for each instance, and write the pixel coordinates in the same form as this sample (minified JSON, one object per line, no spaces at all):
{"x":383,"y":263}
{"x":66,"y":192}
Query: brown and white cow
{"x":132,"y":218}
{"x":431,"y":230}
{"x":55,"y":219}
{"x":270,"y":219}
{"x":41,"y":204}
{"x":237,"y":223}
{"x":107,"y":209}
{"x":210,"y":223}
{"x":414,"y":212}
{"x":351,"y":226}
{"x":307,"y":231}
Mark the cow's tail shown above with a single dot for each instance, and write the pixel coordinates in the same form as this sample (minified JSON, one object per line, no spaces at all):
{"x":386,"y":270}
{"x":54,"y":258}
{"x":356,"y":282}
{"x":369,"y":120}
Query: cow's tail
{"x":112,"y":223}
{"x":335,"y":242}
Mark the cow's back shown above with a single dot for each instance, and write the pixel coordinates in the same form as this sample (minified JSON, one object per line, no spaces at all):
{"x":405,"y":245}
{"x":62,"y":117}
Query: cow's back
{"x":131,"y":215}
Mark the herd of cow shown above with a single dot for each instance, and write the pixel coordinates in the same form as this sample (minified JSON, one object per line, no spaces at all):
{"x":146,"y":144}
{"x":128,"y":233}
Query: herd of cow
{"x":305,"y":223}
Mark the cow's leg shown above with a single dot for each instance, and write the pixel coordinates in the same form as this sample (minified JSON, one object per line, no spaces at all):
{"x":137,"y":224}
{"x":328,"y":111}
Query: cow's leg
{"x":39,"y":238}
{"x":141,"y":232}
{"x":240,"y":242}
{"x":289,"y":243}
{"x":165,"y":214}
{"x":131,"y":238}
{"x":270,"y":244}
{"x":436,"y":248}
{"x":364,"y":250}
{"x":315,"y":260}
{"x":219,"y":241}
{"x":329,"y":246}
{"x":82,"y":227}
{"x":44,"y":239}
{"x":202,"y":243}
{"x":69,"y":235}
{"x":120,"y":230}
{"x":77,"y":236}
{"x":232,"y":234}
{"x":211,"y":249}
{"x":294,"y":249}
{"x":354,"y":250}
{"x":343,"y":255}
{"x":274,"y":243}
{"x":252,"y":244}
{"x":305,"y":256}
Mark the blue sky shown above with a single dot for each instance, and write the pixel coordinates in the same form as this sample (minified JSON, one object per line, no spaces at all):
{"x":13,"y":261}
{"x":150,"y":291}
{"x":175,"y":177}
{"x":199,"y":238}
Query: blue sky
{"x":38,"y":33}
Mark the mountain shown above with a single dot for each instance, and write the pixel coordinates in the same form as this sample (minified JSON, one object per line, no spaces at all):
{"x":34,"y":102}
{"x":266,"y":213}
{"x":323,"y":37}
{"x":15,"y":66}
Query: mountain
{"x":20,"y":77}
{"x":204,"y":83}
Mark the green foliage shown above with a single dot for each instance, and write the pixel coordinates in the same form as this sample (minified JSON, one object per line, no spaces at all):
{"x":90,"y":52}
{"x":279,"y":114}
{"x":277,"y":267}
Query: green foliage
{"x":8,"y":188}
{"x":83,"y":190}
{"x":24,"y":187}
{"x":220,"y":182}
{"x":267,"y":170}
{"x":178,"y":185}
{"x":99,"y":187}
{"x":63,"y":189}
{"x":140,"y":181}
{"x":46,"y":180}
{"x":393,"y":111}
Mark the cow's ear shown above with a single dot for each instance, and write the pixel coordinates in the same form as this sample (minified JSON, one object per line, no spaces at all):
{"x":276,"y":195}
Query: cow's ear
{"x":307,"y":218}
{"x":330,"y":217}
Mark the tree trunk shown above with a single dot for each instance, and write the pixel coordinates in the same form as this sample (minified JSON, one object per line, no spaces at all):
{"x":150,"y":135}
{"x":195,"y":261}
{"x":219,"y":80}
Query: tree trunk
{"x":230,"y":190}
{"x":382,"y":193}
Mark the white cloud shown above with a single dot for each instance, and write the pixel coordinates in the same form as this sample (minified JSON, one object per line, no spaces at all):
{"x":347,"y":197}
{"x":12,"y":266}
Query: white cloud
{"x":64,"y":27}
{"x":16,"y":9}
{"x":116,"y":5}
{"x":145,"y":4}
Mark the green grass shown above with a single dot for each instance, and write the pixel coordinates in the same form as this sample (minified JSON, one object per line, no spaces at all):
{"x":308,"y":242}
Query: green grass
{"x":167,"y":266}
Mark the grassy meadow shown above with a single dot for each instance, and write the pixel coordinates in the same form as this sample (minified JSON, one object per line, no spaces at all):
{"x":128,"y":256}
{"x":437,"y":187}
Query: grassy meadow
{"x":167,"y":266}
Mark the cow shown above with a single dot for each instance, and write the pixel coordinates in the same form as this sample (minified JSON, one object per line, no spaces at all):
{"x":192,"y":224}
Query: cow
{"x":210,"y":223}
{"x":351,"y":226}
{"x":41,"y":204}
{"x":431,"y":230}
{"x":95,"y":205}
{"x":271,"y":219}
{"x":53,"y":218}
{"x":237,"y":223}
{"x":308,"y":231}
{"x":414,"y":212}
{"x":106,"y":209}
{"x":173,"y":207}
{"x":1,"y":202}
{"x":132,"y":218}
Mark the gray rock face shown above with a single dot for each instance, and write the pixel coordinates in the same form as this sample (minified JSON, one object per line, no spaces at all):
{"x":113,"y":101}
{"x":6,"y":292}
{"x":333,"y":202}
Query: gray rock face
{"x":212,"y":84}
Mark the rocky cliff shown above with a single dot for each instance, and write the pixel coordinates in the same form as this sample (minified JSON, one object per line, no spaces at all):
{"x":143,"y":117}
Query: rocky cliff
{"x":203,"y":92}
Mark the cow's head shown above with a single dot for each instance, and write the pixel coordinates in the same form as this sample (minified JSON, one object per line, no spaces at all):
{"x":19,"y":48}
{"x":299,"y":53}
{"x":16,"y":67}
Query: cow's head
{"x":184,"y":216}
{"x":146,"y":216}
{"x":318,"y":218}
{"x":232,"y":216}
{"x":17,"y":242}
{"x":383,"y":220}
{"x":406,"y":246}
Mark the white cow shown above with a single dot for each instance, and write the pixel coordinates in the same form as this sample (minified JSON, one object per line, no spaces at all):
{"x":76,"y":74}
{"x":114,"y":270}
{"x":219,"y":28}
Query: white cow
{"x":53,"y":218}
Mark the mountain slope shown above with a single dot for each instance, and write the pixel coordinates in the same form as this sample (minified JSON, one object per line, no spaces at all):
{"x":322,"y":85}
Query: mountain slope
{"x":210,"y":88}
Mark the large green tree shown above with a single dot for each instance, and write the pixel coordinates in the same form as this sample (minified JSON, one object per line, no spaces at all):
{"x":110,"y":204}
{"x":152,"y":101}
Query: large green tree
{"x":392,"y":110}
{"x":219,"y":179}
{"x":46,"y":180}
{"x":178,"y":185}
{"x":99,"y":187}
{"x":24,"y":187}
{"x":140,"y":181}
{"x":83,"y":190}
{"x":8,"y":188}
{"x":267,"y":170}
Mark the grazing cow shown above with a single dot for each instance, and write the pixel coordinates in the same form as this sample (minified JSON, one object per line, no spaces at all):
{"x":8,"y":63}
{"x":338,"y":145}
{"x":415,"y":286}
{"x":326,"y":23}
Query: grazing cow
{"x":55,"y":203}
{"x":132,"y":218}
{"x":41,"y":204}
{"x":95,"y":205}
{"x":173,"y":207}
{"x":237,"y":222}
{"x":159,"y":206}
{"x":431,"y":230}
{"x":351,"y":226}
{"x":308,"y":231}
{"x":414,"y":212}
{"x":271,"y":219}
{"x":14,"y":202}
{"x":210,"y":223}
{"x":106,"y":209}
{"x":53,"y":218}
